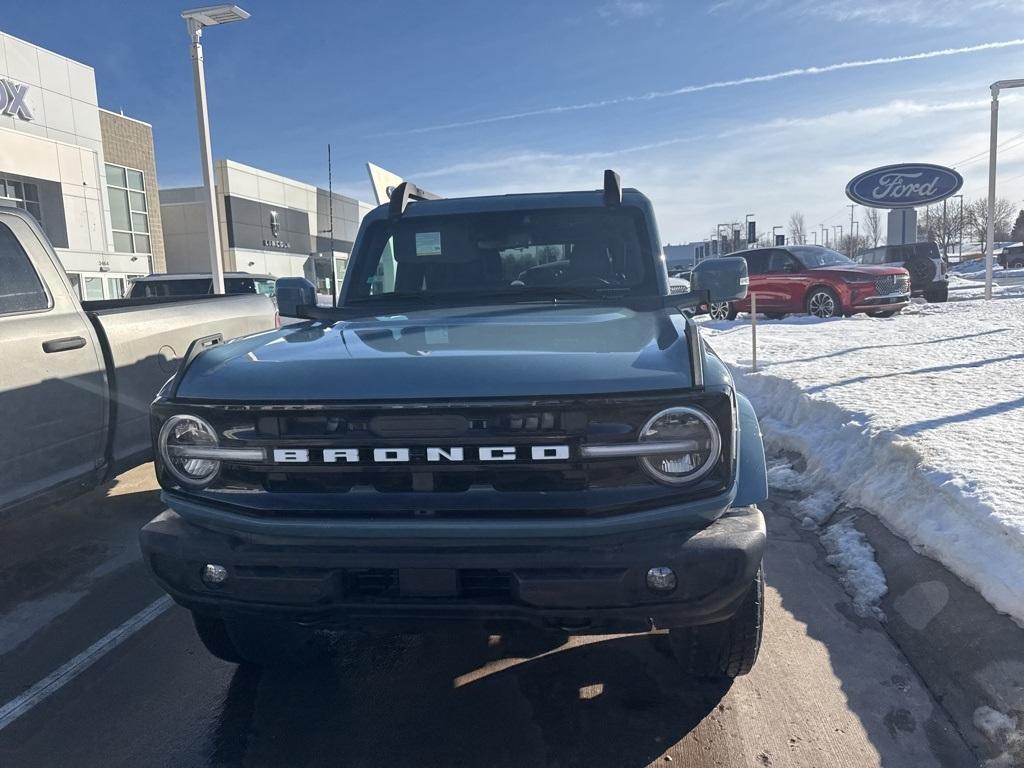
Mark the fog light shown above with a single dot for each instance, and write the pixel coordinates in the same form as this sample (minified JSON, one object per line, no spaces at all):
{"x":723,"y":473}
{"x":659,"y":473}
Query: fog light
{"x":218,"y":574}
{"x":660,"y":579}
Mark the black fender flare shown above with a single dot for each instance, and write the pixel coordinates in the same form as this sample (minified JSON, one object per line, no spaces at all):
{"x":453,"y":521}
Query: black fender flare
{"x":752,"y":471}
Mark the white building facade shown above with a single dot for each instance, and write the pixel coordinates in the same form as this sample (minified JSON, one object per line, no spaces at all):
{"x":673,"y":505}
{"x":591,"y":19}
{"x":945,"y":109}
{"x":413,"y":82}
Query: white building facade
{"x":269,"y":224}
{"x":52,"y":164}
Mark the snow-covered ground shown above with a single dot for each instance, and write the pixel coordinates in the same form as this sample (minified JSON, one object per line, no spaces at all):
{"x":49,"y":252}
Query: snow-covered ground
{"x":917,"y":418}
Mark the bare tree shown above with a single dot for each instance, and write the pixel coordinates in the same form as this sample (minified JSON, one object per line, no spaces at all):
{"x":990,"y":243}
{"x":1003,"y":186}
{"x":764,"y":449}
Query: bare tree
{"x":872,"y":223}
{"x":941,"y":227}
{"x":976,"y":214}
{"x":797,"y":228}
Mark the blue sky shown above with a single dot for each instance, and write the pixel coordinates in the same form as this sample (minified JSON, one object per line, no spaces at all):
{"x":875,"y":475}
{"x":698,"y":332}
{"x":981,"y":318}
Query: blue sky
{"x":486,"y":97}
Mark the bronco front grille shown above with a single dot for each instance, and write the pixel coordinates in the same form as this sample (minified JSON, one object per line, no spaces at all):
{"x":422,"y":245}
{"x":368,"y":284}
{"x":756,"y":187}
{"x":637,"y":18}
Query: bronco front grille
{"x":568,"y":485}
{"x":892,"y":284}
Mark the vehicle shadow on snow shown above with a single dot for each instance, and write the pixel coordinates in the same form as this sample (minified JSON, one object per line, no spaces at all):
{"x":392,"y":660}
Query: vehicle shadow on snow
{"x":462,"y":699}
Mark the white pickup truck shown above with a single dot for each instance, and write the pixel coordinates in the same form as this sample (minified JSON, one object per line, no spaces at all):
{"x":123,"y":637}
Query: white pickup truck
{"x":77,"y":378}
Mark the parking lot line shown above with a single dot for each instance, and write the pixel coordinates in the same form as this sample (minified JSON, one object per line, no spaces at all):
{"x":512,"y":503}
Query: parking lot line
{"x":68,"y":671}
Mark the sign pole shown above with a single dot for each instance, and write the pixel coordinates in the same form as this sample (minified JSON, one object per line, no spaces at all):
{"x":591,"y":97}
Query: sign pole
{"x":991,"y":225}
{"x":753,"y":331}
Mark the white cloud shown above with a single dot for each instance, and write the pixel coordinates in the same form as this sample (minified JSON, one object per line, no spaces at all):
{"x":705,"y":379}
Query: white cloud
{"x":920,"y":13}
{"x":615,"y":10}
{"x":771,"y":168}
{"x":719,"y":84}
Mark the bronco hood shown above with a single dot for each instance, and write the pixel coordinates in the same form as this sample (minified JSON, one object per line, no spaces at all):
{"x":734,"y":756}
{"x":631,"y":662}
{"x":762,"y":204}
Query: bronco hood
{"x":488,"y":351}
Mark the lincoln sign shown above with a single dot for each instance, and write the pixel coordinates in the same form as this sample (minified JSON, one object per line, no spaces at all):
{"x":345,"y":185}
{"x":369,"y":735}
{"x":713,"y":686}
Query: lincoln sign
{"x":904,"y":186}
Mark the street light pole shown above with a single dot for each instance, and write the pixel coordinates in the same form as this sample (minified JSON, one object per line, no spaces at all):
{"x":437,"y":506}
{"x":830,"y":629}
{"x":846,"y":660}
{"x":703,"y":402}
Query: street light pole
{"x":197,"y":19}
{"x":960,"y":230}
{"x":850,"y":254}
{"x":993,"y":133}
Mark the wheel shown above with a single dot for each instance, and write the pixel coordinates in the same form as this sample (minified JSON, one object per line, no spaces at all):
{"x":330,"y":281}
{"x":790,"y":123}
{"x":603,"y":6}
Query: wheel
{"x":938,"y":294}
{"x":726,"y":649}
{"x":269,"y":643}
{"x":823,"y":302}
{"x":214,"y":635}
{"x":1017,"y":263}
{"x":886,"y":313}
{"x":775,"y":315}
{"x":721,"y":310}
{"x":922,"y":270}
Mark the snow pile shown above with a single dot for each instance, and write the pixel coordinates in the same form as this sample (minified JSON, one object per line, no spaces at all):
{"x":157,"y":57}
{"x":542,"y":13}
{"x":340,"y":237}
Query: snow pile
{"x":1003,"y":731}
{"x":851,"y":555}
{"x":848,"y":549}
{"x":784,"y":478}
{"x":918,"y":418}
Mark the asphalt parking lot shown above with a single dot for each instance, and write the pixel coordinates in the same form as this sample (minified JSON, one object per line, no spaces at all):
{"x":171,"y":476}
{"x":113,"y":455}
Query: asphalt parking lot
{"x":96,"y":669}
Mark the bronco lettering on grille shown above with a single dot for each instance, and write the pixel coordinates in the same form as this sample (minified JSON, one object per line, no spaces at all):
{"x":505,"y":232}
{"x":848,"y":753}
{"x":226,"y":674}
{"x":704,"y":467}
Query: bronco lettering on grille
{"x":431,"y":454}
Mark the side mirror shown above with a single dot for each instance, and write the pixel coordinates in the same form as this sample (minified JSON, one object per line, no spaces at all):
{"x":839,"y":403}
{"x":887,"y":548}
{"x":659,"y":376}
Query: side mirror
{"x":725,"y":279}
{"x":292,"y":293}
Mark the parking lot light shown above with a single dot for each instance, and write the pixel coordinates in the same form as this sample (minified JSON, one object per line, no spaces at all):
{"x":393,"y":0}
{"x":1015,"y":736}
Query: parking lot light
{"x":197,"y":19}
{"x":990,"y":235}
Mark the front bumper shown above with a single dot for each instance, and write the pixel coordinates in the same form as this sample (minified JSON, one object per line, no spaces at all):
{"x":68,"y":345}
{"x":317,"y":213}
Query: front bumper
{"x":892,"y":301}
{"x":581,"y":584}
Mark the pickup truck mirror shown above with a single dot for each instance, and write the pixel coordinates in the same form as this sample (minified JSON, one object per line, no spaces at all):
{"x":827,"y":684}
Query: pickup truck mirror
{"x":292,"y":293}
{"x":724,"y":279}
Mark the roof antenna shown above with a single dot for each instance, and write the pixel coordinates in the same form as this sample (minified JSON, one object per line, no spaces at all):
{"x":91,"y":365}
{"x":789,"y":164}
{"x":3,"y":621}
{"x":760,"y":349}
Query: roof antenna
{"x":612,"y":189}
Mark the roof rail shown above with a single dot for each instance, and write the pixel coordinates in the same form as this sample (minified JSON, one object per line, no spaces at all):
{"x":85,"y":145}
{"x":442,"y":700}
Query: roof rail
{"x":405,"y":193}
{"x":612,"y":189}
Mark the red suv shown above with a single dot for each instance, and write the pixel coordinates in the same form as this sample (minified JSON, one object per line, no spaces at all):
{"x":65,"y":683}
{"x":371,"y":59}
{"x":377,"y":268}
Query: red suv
{"x":819,"y":281}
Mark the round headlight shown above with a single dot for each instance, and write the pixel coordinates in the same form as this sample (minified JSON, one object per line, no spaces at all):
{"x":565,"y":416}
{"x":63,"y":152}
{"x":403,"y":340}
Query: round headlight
{"x":691,"y":445}
{"x":187,"y":445}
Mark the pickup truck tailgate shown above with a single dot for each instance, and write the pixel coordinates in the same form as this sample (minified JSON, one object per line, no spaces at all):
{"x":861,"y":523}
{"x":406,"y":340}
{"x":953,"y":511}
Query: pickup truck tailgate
{"x":144,"y":344}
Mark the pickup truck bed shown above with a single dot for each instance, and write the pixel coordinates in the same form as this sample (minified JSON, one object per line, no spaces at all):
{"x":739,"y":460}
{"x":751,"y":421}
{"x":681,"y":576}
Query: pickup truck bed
{"x":76,"y":379}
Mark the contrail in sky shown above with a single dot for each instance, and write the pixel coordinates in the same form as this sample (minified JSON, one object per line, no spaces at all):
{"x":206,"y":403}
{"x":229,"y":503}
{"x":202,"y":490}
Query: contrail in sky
{"x":652,"y":95}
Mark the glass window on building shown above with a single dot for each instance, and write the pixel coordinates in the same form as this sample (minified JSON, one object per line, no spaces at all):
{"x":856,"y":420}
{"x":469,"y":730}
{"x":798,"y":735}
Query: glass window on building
{"x":129,"y":209}
{"x":23,"y":194}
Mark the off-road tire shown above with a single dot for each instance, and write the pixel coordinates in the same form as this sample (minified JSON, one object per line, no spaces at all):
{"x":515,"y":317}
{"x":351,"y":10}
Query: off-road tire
{"x":818,"y":307}
{"x":214,"y":635}
{"x":729,"y":648}
{"x":274,"y":644}
{"x":938,"y":294}
{"x":721,"y":310}
{"x":922,"y":270}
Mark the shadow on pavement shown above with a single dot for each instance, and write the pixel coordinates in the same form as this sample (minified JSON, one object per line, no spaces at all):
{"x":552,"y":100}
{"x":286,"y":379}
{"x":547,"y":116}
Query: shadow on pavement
{"x":434,"y":701}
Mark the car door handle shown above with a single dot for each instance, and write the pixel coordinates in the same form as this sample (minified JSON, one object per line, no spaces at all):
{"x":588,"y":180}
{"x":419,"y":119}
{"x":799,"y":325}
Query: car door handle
{"x":63,"y":345}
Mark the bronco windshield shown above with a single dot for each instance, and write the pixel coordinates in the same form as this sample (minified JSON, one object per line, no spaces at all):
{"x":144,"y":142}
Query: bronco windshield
{"x":815,"y":256}
{"x":587,"y":253}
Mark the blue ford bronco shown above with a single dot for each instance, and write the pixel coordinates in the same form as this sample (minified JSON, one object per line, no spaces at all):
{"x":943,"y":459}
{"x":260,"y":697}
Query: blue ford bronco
{"x":507,"y":420}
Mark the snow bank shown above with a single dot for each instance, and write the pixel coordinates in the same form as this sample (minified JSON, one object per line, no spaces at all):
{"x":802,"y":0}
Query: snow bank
{"x":1003,"y":731}
{"x":918,"y":418}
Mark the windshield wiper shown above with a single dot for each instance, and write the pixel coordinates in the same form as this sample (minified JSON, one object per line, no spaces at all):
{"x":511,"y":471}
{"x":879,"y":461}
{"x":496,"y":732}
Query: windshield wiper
{"x":385,"y":298}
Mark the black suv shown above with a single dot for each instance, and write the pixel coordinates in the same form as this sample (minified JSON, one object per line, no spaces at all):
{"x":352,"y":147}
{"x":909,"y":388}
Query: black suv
{"x":923,"y":261}
{"x":1012,"y":257}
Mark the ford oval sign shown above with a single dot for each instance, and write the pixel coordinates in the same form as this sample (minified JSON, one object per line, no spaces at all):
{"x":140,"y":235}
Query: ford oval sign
{"x":904,"y":186}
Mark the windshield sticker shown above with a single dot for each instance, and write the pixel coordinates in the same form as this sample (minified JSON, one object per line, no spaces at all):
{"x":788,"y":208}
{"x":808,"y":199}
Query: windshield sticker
{"x":436,"y":334}
{"x":428,"y":243}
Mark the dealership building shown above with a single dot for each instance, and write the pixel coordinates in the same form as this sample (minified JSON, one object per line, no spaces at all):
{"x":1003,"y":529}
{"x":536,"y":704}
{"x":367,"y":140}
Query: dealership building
{"x":268,"y":224}
{"x":88,"y":175}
